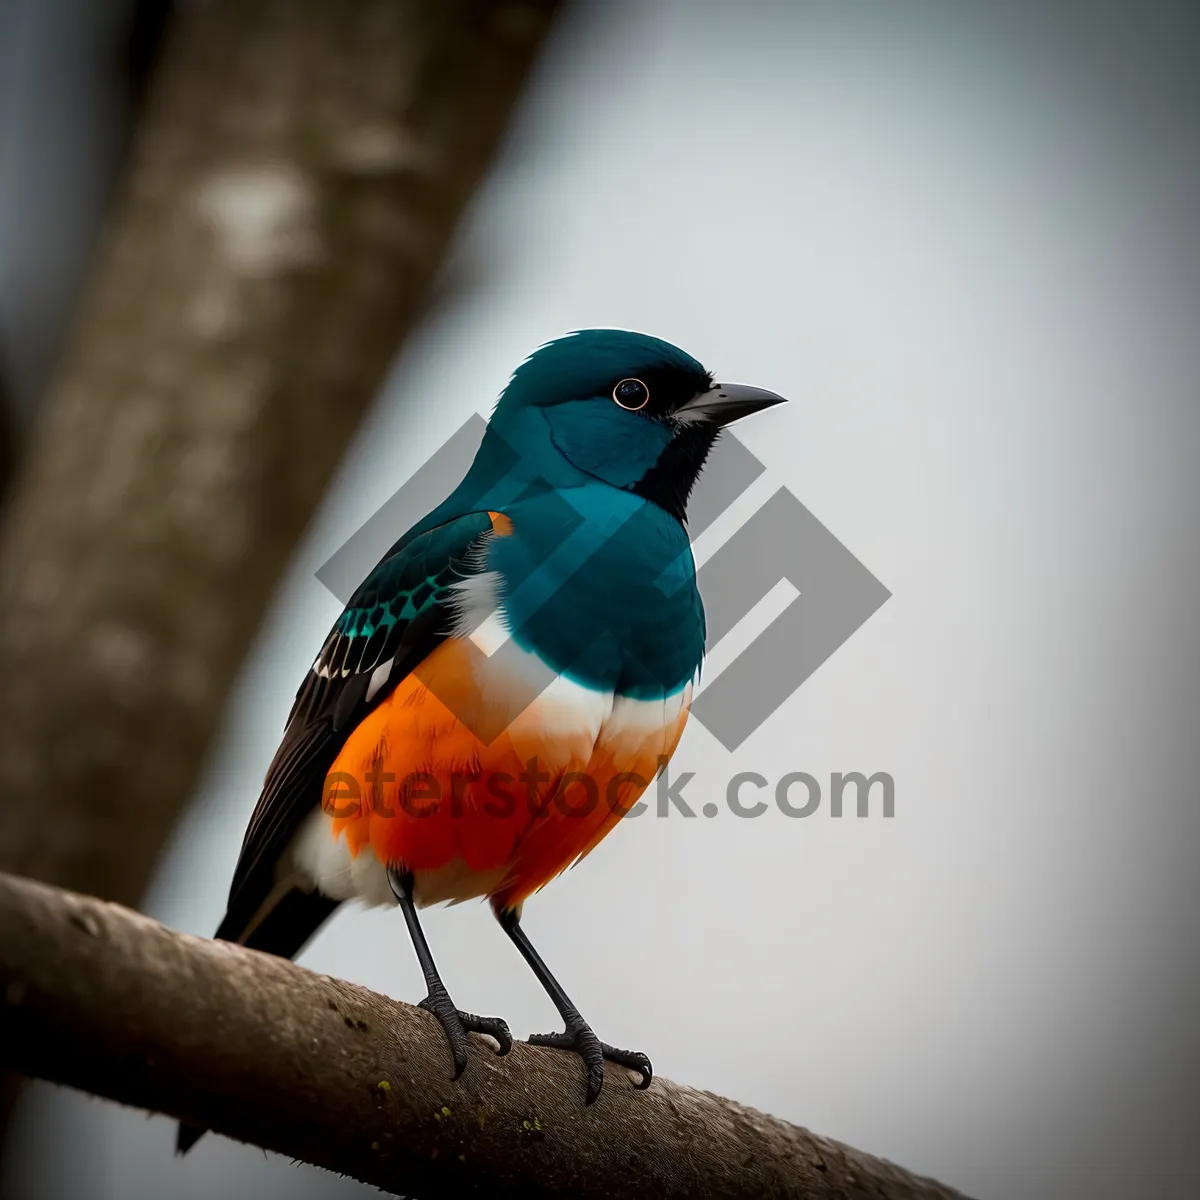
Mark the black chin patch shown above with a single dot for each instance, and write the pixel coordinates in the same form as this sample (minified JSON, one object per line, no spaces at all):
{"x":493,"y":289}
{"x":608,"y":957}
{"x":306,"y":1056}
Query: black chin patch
{"x":670,"y":481}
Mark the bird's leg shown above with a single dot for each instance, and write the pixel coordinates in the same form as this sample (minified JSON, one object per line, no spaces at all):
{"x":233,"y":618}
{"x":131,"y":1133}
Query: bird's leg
{"x":454,"y":1021}
{"x":577,"y":1035}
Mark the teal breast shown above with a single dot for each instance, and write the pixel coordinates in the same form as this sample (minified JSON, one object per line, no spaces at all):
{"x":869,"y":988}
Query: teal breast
{"x":601,"y":585}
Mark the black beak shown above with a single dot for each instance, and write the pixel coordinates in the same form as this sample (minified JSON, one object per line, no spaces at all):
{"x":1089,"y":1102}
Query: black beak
{"x":724,"y":403}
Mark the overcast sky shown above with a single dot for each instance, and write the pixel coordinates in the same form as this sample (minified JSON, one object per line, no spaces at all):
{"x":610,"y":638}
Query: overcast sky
{"x":962,"y":239}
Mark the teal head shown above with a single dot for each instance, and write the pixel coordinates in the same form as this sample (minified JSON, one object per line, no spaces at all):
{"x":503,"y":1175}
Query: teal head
{"x":623,"y":408}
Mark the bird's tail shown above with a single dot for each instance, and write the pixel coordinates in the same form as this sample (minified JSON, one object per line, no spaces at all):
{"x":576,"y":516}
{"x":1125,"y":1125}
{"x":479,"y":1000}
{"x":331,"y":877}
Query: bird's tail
{"x":186,"y":1136}
{"x":283,"y":930}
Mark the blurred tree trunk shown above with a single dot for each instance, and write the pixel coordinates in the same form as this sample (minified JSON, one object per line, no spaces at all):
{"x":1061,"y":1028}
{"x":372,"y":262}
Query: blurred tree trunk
{"x":297,"y":174}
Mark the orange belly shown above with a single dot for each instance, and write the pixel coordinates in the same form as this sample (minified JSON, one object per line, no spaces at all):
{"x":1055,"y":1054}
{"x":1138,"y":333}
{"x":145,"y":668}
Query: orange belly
{"x":500,"y":817}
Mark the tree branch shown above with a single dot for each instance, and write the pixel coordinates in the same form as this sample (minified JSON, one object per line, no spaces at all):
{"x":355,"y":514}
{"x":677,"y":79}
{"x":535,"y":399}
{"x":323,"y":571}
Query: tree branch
{"x":101,"y":998}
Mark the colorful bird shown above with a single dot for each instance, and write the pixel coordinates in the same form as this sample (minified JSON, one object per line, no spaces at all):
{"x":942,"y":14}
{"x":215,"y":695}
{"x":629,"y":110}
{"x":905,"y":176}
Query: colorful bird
{"x":510,"y":677}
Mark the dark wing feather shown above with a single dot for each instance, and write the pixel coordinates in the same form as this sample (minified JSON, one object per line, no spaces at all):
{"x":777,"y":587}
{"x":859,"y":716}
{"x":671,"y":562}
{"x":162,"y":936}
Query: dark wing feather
{"x":400,"y":612}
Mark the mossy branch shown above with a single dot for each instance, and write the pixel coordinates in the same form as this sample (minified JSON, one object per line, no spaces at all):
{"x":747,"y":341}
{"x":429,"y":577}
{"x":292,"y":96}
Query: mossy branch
{"x":100,"y":998}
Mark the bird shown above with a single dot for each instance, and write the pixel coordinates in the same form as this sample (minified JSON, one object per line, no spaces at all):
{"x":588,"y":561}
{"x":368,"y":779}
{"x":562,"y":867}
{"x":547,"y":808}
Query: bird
{"x":507,"y":680}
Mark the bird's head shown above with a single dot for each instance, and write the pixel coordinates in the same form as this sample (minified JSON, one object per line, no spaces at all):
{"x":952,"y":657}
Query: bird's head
{"x":626,"y":408}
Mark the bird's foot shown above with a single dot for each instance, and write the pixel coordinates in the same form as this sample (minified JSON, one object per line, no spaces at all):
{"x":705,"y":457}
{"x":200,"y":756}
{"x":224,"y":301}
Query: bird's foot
{"x":457,"y":1023}
{"x":579,"y":1038}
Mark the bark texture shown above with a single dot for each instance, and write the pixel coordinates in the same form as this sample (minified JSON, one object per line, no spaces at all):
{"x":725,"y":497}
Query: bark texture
{"x":296,"y":177}
{"x":101,"y":998}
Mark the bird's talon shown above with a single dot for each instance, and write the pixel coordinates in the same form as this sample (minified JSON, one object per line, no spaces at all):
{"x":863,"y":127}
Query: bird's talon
{"x":556,"y":1041}
{"x":583,"y":1041}
{"x":493,"y":1027}
{"x":456,"y":1024}
{"x":631,"y":1060}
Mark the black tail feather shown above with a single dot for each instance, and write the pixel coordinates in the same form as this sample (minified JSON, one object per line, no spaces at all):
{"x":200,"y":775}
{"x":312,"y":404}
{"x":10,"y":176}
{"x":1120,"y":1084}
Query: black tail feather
{"x":186,"y":1136}
{"x":286,"y":929}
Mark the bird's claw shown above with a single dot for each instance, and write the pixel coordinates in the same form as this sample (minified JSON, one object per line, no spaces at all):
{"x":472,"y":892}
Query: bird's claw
{"x":457,"y":1024}
{"x":580,"y":1039}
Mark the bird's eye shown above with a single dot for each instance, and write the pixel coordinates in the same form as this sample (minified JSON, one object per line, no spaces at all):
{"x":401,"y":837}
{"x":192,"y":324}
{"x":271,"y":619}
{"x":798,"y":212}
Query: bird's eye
{"x":631,"y":394}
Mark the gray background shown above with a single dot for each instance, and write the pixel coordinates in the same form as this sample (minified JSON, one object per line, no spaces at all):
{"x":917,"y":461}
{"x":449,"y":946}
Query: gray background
{"x":963,"y":238}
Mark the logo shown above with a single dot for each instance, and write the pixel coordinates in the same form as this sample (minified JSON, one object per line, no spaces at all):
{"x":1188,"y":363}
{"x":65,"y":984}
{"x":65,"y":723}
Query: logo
{"x":781,"y":543}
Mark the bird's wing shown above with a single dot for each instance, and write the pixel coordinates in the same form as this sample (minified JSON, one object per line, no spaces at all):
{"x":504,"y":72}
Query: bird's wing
{"x":399,"y":614}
